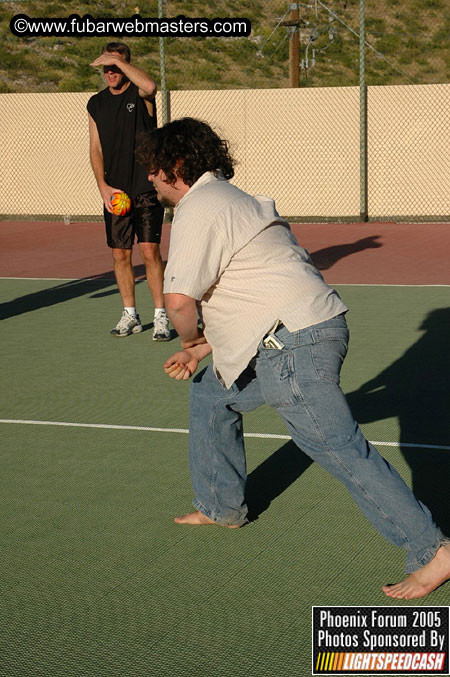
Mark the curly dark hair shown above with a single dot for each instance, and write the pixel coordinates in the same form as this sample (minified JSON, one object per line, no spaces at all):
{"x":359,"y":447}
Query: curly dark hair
{"x":185,"y":148}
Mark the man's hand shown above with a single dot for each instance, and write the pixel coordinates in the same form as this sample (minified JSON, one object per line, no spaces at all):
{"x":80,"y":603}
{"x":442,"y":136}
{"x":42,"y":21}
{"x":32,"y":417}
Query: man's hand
{"x":181,"y":365}
{"x":106,"y":193}
{"x":107,"y":59}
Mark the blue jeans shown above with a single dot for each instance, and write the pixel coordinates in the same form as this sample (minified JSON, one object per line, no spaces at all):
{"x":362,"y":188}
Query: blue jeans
{"x":301,"y":381}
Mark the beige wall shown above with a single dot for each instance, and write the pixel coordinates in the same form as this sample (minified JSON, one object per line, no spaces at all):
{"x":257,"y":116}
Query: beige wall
{"x":300,"y":146}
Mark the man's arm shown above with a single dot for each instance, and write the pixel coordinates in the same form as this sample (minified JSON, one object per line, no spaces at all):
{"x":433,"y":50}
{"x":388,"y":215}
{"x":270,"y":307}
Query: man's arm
{"x":182,"y":312}
{"x":96,"y":157}
{"x":143,"y":81}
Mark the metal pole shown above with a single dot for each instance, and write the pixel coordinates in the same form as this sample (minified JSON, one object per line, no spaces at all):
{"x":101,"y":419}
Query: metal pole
{"x":294,"y":47}
{"x":162,"y":69}
{"x":363,"y":164}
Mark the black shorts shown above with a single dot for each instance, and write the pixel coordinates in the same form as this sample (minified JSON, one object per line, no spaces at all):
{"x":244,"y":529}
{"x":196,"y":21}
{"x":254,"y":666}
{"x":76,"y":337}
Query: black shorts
{"x":144,"y":222}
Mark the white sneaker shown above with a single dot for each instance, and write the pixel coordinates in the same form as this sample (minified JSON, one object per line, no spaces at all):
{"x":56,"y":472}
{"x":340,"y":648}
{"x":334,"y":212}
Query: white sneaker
{"x":128,"y":324}
{"x":161,"y":330}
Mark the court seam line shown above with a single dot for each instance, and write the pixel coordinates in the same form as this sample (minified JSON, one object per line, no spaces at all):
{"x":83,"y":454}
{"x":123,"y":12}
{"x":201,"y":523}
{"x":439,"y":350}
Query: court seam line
{"x":271,"y":436}
{"x":337,"y":284}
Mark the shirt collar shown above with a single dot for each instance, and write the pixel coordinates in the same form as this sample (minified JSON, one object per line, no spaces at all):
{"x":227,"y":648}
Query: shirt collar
{"x":207,"y":177}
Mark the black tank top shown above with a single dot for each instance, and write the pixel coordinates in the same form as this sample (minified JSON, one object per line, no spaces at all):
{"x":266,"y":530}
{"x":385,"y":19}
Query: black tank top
{"x":119,"y":119}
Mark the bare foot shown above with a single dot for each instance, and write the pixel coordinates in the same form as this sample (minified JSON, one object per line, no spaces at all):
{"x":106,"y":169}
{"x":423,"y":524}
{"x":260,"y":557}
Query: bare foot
{"x":198,"y":517}
{"x":424,"y":580}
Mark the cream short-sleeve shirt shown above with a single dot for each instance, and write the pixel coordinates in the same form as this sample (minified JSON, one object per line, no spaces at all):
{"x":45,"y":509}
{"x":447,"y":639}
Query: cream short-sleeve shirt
{"x":233,"y":252}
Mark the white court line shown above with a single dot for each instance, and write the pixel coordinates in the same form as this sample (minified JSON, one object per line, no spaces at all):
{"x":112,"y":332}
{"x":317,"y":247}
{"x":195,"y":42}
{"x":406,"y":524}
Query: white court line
{"x":335,"y":284}
{"x":380,"y":284}
{"x":184,"y":431}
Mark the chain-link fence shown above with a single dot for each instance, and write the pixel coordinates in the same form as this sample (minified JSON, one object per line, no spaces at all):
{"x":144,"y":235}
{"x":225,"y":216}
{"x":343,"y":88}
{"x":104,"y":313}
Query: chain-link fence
{"x":299,"y":145}
{"x":409,"y":152}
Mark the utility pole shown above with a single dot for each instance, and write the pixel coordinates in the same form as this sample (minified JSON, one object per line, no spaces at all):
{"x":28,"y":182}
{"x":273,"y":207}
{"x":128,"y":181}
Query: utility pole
{"x":294,"y":44}
{"x":294,"y":49}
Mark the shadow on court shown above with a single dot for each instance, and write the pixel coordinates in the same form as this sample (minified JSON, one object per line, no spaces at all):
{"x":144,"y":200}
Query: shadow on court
{"x":272,"y":477}
{"x":139,"y":276}
{"x":415,"y":388}
{"x":104,"y":284}
{"x":327,"y":257}
{"x":65,"y":291}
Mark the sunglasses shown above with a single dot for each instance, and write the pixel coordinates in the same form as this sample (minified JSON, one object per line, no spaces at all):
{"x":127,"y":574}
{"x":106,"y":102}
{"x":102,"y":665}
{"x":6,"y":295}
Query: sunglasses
{"x":111,"y":69}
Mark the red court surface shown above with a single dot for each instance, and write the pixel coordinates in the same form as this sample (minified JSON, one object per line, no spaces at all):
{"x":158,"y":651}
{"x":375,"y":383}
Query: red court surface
{"x":352,"y":253}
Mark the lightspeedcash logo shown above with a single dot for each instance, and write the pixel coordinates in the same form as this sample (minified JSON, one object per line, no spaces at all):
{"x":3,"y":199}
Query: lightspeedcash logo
{"x":371,"y":640}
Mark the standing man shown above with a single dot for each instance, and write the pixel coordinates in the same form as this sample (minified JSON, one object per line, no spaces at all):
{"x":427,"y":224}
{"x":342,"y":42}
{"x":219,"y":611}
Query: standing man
{"x":117,"y":115}
{"x":277,"y":333}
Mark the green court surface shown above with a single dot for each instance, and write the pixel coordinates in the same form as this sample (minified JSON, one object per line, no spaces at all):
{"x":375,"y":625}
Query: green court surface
{"x":97,"y":580}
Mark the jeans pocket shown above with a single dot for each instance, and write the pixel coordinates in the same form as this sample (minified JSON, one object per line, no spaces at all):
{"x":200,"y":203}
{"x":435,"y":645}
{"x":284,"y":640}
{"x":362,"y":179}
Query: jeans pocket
{"x":276,"y":375}
{"x":328,"y":351}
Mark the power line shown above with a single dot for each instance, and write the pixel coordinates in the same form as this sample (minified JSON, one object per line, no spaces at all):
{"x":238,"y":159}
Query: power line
{"x":280,"y":44}
{"x":411,"y":78}
{"x":278,"y":24}
{"x":379,"y":54}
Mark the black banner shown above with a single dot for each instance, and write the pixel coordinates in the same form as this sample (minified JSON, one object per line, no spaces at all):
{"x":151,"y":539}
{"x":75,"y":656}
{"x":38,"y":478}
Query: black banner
{"x":370,"y":640}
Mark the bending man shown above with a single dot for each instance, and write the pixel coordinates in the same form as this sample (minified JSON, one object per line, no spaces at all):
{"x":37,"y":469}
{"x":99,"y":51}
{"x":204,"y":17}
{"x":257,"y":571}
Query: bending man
{"x":278,"y":335}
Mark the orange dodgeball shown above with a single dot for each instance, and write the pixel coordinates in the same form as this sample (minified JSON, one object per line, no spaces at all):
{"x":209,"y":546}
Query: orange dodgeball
{"x":120,"y":203}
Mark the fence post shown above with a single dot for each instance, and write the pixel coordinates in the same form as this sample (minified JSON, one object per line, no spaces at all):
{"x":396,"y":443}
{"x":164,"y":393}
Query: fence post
{"x":363,"y":165}
{"x":165,"y":95}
